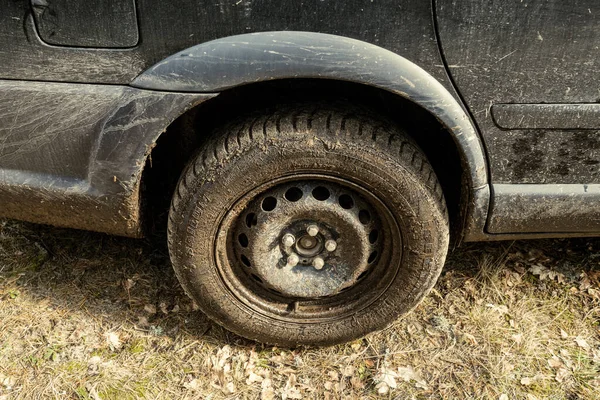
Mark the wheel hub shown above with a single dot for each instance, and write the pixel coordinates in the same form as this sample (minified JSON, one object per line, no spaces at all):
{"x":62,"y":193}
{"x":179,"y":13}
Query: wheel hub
{"x":307,"y":239}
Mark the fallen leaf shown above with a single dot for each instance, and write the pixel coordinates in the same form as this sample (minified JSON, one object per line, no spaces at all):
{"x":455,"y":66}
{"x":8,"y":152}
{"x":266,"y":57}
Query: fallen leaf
{"x":163,"y":307}
{"x":265,"y":386}
{"x":348,"y":371}
{"x":357,"y":383}
{"x":387,"y":376}
{"x":150,"y":308}
{"x":555,"y":362}
{"x":526,"y":381}
{"x":95,"y":360}
{"x":518,"y":338}
{"x":229,"y":388}
{"x":356,"y":345}
{"x":143,"y":322}
{"x":113,"y":340}
{"x":507,"y":367}
{"x":545,"y":273}
{"x":470,"y":339}
{"x":382,"y":388}
{"x":561,"y":374}
{"x":581,"y":342}
{"x":502,"y":309}
{"x":267,"y":393}
{"x":408,"y":374}
{"x":128,"y":284}
{"x":194,"y":384}
{"x":585,"y":282}
{"x":563,"y":334}
{"x":252,"y":378}
{"x":290,"y":391}
{"x":596,"y":355}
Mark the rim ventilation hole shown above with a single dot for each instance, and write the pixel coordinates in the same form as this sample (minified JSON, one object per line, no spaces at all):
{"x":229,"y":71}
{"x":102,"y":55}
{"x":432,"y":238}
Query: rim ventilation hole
{"x":362,"y":275}
{"x":245,"y":260}
{"x":293,"y":194}
{"x":243,"y":239}
{"x":372,"y":257}
{"x":373,"y":236}
{"x":251,"y":220}
{"x":256,"y":278}
{"x":364,"y":217}
{"x":321,"y":193}
{"x":269,"y":203}
{"x":346,"y":202}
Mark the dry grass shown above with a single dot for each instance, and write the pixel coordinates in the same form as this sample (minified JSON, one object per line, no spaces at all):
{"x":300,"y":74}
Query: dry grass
{"x":89,"y":316}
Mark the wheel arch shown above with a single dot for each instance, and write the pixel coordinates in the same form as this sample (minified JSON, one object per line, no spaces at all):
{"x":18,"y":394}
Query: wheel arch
{"x":236,"y":64}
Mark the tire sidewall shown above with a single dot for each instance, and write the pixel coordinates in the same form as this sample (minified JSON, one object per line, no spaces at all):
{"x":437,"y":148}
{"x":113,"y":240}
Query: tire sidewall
{"x":224,"y":179}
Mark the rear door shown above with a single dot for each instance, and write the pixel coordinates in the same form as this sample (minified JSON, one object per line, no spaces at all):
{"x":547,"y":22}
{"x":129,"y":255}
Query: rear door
{"x":529,"y":72}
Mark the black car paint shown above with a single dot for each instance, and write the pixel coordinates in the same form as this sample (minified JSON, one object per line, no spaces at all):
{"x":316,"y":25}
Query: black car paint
{"x":72,"y":154}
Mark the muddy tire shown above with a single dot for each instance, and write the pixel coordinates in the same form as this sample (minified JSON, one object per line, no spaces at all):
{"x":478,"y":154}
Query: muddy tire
{"x":308,"y":225}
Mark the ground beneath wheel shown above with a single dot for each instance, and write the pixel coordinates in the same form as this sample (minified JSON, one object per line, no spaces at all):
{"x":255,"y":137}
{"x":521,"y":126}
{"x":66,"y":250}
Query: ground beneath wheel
{"x":90,"y":316}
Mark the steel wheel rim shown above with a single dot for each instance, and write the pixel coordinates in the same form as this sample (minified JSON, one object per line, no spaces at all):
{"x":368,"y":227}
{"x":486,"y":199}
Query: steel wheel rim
{"x":260,"y":282}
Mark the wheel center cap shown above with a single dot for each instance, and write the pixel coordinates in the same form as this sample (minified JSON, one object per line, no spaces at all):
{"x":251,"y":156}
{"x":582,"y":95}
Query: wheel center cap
{"x":308,"y":242}
{"x":308,"y":246}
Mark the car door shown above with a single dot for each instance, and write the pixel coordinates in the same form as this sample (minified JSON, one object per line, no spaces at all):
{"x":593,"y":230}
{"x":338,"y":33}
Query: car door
{"x":528,"y":71}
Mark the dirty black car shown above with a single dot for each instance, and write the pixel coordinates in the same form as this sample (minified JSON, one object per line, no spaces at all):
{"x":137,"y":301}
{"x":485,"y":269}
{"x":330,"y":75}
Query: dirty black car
{"x":310,"y":162}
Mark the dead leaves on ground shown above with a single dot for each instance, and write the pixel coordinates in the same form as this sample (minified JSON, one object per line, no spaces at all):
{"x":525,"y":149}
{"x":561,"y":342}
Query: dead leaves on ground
{"x":579,"y":279}
{"x":278,"y":374}
{"x":504,"y":322}
{"x":385,"y":380}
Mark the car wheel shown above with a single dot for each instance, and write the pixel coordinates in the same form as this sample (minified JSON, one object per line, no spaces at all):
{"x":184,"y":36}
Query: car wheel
{"x":308,"y":225}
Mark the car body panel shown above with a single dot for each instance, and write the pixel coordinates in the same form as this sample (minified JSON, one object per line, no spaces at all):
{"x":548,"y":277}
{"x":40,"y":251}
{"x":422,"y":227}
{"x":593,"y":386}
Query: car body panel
{"x":404,"y":27}
{"x":528,"y":71}
{"x":545,"y":208}
{"x":72,"y":152}
{"x":527,"y":55}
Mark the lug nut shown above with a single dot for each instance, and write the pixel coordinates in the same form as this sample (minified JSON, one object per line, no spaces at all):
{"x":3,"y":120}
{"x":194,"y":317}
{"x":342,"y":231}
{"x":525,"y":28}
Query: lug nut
{"x":293,"y":260}
{"x":331,"y":245}
{"x":312,"y":230}
{"x":288,"y":240}
{"x":318,"y":263}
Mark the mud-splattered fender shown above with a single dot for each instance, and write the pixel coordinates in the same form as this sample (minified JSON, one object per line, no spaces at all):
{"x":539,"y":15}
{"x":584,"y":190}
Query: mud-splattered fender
{"x":239,"y":60}
{"x":73,"y":154}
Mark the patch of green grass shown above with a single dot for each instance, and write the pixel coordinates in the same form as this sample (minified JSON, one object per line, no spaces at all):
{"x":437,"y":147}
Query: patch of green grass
{"x":82,"y":393}
{"x":136,"y":346}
